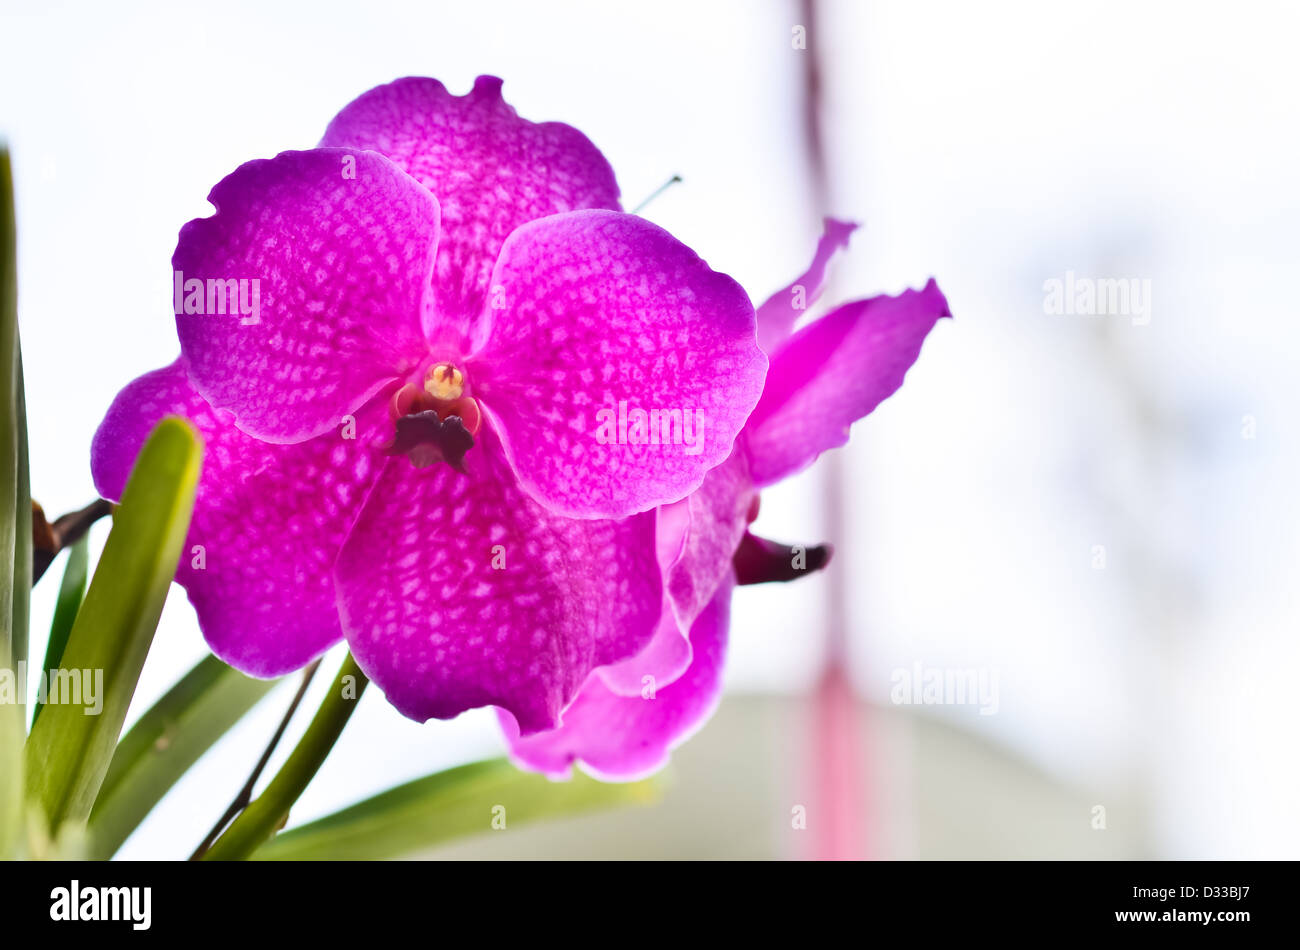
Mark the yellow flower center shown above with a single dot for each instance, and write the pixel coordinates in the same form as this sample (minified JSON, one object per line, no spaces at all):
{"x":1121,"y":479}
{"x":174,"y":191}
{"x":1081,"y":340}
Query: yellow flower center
{"x":444,"y":381}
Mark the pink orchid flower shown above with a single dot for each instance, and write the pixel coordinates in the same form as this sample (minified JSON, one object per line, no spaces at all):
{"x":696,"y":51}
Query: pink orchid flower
{"x":833,"y":371}
{"x":402,"y":349}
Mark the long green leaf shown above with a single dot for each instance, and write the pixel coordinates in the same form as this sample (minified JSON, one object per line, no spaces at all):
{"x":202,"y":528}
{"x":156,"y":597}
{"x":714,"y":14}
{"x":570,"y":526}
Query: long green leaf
{"x":164,"y":743}
{"x":11,"y":649}
{"x":269,"y":810}
{"x":12,"y":816}
{"x":447,"y":805}
{"x":71,"y":592}
{"x":22,"y":591}
{"x":14,"y":588}
{"x":68,"y":752}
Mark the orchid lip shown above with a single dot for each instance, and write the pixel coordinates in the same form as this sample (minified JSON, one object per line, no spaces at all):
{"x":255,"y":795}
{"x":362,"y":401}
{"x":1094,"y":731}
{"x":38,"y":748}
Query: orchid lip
{"x":426,"y":440}
{"x":434,"y":421}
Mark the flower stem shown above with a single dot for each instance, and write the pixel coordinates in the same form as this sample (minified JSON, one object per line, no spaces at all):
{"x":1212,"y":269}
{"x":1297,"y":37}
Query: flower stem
{"x":246,"y":793}
{"x":266,"y":813}
{"x":48,"y":539}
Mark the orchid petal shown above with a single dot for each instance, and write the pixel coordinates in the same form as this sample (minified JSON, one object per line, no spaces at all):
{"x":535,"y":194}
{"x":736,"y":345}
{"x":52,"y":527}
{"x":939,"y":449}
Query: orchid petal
{"x":268,"y":521}
{"x":458,"y":590}
{"x":832,"y":373}
{"x":330,"y":252}
{"x":490,"y":170}
{"x":624,"y":738}
{"x":778,"y":315}
{"x":600,"y":320}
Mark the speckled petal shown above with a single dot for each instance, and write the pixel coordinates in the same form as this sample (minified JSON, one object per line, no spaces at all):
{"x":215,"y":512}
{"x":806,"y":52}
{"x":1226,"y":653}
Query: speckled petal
{"x":490,"y":170}
{"x":668,"y":655}
{"x":341,"y":244}
{"x":268,"y":521}
{"x":832,"y":373}
{"x":624,"y":738}
{"x":778,"y":315}
{"x":598,"y":320}
{"x":719,"y":512}
{"x":460,"y":591}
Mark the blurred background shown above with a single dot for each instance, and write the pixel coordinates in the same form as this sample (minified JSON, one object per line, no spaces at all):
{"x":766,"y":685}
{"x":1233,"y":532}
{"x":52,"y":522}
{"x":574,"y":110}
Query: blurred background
{"x":1093,"y":513}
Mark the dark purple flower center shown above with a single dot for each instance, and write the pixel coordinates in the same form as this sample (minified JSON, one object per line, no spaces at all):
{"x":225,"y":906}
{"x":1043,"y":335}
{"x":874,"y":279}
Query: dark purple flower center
{"x":436,"y":421}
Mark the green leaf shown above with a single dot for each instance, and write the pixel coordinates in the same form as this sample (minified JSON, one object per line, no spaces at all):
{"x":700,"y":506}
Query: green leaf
{"x":71,"y":591}
{"x":269,"y":810}
{"x":12,"y":812}
{"x":447,"y":805}
{"x":164,"y":743}
{"x":68,"y":751}
{"x":22,"y":523}
{"x":15,"y":527}
{"x":22,"y":589}
{"x":13,"y":442}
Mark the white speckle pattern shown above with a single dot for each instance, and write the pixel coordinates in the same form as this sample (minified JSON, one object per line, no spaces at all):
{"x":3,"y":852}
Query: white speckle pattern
{"x":572,"y":595}
{"x":490,"y":170}
{"x":621,"y":737}
{"x":326,"y":339}
{"x":669,"y":334}
{"x":270,"y":518}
